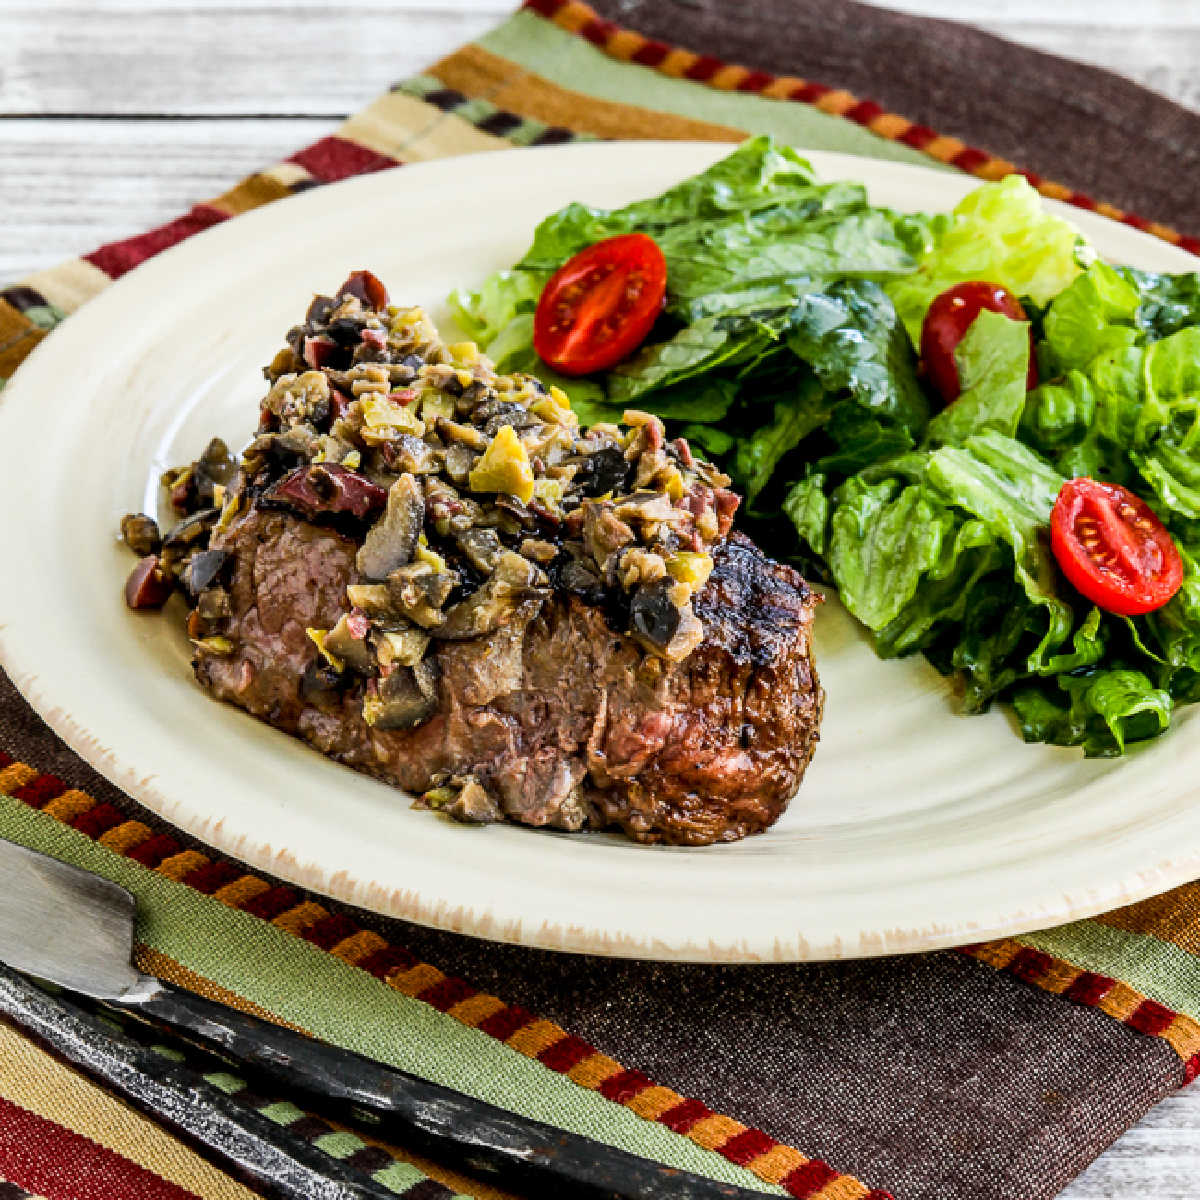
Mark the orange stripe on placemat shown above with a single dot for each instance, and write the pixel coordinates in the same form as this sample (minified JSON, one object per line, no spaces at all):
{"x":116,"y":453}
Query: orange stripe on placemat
{"x":1169,"y":917}
{"x":521,"y":1030}
{"x":629,"y":46}
{"x":1111,"y":996}
{"x":476,"y":72}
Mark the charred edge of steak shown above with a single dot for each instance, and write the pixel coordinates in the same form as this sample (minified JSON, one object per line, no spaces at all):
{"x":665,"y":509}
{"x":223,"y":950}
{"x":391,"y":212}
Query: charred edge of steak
{"x":563,"y":723}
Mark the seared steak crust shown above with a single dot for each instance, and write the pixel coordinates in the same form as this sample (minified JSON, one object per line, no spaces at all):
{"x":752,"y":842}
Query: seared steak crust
{"x":565,"y":722}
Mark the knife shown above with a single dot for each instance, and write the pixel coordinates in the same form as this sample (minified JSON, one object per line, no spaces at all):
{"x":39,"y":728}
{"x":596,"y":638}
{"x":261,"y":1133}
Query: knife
{"x":75,"y":929}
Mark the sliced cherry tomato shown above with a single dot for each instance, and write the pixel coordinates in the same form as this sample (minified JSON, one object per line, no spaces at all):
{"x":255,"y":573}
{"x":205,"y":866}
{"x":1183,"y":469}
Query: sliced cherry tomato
{"x":599,"y":306}
{"x":1112,"y":547}
{"x":946,"y":323}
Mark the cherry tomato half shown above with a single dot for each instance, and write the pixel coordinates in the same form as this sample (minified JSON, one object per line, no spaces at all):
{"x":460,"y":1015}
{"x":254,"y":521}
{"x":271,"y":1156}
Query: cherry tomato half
{"x":1112,"y":547}
{"x":599,"y":306}
{"x":946,"y":323}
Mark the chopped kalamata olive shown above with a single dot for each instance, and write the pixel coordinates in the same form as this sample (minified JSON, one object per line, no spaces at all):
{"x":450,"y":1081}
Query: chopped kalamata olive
{"x":494,"y":414}
{"x":214,"y":604}
{"x":482,"y":548}
{"x":345,"y":331}
{"x":201,"y":569}
{"x":347,"y":641}
{"x":366,"y":287}
{"x":603,"y":472}
{"x":463,"y":798}
{"x":409,"y":453}
{"x":510,"y":596}
{"x":519,"y":512}
{"x":146,"y":586}
{"x":322,"y":686}
{"x":575,"y":576}
{"x":140,"y":534}
{"x":653,"y":616}
{"x":419,"y":592}
{"x":539,"y":551}
{"x":391,"y":541}
{"x":191,"y":533}
{"x":318,"y":312}
{"x":404,"y":699}
{"x":326,"y":489}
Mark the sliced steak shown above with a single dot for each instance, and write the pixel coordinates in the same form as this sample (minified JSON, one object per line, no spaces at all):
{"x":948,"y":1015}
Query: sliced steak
{"x":566,"y":722}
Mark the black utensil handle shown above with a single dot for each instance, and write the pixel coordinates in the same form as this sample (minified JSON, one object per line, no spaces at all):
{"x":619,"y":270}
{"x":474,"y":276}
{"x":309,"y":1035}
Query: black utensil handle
{"x":516,"y":1152}
{"x":242,"y":1142}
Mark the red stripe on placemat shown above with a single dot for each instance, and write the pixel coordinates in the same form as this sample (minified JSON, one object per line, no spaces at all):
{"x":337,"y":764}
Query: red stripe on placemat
{"x":623,"y":1087}
{"x":683,"y":1116}
{"x":1031,"y":965}
{"x":61,"y":1165}
{"x":566,"y":1053}
{"x":446,"y":993}
{"x":806,"y":1181}
{"x":1089,"y":988}
{"x":211,"y":876}
{"x":1150,"y":1017}
{"x":117,"y":258}
{"x":328,"y":931}
{"x":271,"y":903}
{"x":99,"y":820}
{"x":747,"y":1146}
{"x":40,"y":791}
{"x":388,"y":961}
{"x":154,"y":849}
{"x":334,"y":158}
{"x":506,"y":1022}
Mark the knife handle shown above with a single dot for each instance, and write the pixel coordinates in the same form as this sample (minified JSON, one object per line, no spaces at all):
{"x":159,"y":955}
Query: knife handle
{"x":516,"y":1152}
{"x":274,"y":1162}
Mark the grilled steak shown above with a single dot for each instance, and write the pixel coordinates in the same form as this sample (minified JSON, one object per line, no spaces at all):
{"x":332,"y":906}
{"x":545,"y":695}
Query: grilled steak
{"x":429,"y":573}
{"x":564,"y":722}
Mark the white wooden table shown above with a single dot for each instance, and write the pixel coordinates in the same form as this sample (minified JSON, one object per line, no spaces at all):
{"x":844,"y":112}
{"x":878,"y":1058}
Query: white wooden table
{"x":116,"y":115}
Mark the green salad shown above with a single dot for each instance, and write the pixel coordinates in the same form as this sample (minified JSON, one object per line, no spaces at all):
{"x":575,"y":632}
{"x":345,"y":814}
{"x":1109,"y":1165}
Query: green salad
{"x":787,"y":351}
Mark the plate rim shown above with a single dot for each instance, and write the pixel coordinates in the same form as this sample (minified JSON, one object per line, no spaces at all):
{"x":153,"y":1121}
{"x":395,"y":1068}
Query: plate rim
{"x":546,"y":934}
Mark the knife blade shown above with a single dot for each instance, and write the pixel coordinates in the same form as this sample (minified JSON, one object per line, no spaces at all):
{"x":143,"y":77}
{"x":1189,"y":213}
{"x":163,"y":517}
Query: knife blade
{"x":71,"y":927}
{"x":66,"y":925}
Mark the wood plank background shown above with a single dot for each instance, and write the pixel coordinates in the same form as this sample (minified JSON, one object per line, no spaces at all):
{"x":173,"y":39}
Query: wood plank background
{"x":116,"y":115}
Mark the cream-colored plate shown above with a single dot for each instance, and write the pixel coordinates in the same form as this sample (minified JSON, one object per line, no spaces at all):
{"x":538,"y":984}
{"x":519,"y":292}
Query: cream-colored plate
{"x":915,"y":828}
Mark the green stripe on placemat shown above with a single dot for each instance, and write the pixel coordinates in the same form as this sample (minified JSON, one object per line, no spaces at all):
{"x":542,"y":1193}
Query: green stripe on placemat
{"x":573,"y":63}
{"x":1156,"y":968}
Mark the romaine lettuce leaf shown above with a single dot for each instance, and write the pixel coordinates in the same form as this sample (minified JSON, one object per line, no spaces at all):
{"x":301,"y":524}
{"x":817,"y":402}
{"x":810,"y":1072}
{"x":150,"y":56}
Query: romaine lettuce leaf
{"x":850,"y":336}
{"x":1001,"y":233}
{"x":795,"y":416}
{"x":993,"y":363}
{"x":1096,"y":315}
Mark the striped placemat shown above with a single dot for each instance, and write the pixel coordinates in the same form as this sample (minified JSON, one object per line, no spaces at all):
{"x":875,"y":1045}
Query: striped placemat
{"x":998,"y":1071}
